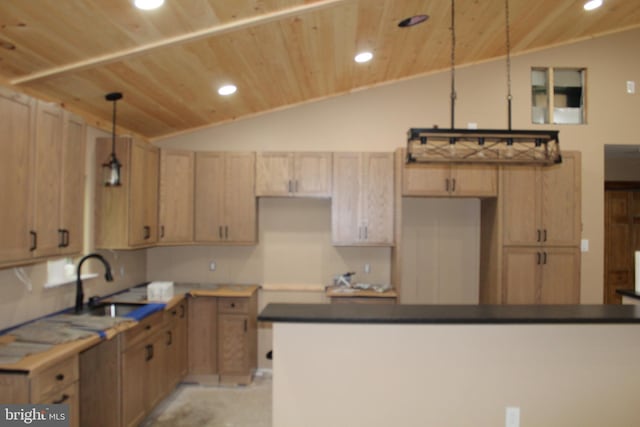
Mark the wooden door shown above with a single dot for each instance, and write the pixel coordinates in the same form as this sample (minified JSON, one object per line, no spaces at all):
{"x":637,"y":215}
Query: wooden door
{"x":346,"y":228}
{"x":156,"y":370}
{"x":312,"y":174}
{"x":474,"y":181}
{"x":138,"y":234}
{"x":202,"y":337}
{"x":274,"y":174}
{"x":233,"y":350}
{"x":209,"y":197}
{"x":73,"y":180}
{"x":521,"y":205}
{"x":182,"y":342}
{"x":16,"y":174}
{"x":176,"y":196}
{"x":240,"y":208}
{"x":47,"y":178}
{"x":151,"y":180}
{"x":561,"y":222}
{"x":377,"y":198}
{"x":133,"y":380}
{"x":521,"y":275}
{"x":426,"y":180}
{"x":560,"y":282}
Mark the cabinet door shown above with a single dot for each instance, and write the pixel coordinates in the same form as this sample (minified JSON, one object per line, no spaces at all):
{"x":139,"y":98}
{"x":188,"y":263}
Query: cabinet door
{"x":426,"y":180}
{"x":16,"y":143}
{"x":156,"y":371}
{"x":176,"y":196}
{"x":240,"y":218}
{"x":233,"y":350}
{"x":133,"y":377}
{"x":345,"y":204}
{"x":176,"y":346}
{"x":521,"y":201}
{"x":203,"y":335}
{"x":274,"y":174}
{"x":560,"y":276}
{"x":474,"y":181}
{"x":377,"y":198}
{"x":561,"y":221}
{"x":73,"y":173}
{"x":47,"y":176}
{"x":521,"y":275}
{"x":209,"y":197}
{"x":312,"y":174}
{"x":142,"y":197}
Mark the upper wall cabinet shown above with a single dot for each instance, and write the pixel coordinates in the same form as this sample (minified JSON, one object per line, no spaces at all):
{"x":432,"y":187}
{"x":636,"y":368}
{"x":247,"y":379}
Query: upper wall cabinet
{"x":42,"y":148}
{"x":176,"y":196}
{"x":363,"y":202}
{"x":127,"y":215}
{"x":17,"y":123}
{"x":542,"y":204}
{"x":450,"y":180}
{"x":225,"y":200}
{"x":297,"y":174}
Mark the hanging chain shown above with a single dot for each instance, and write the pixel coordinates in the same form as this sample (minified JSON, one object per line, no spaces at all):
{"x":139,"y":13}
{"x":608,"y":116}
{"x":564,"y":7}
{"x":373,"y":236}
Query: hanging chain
{"x":508,"y":42}
{"x":453,"y":63}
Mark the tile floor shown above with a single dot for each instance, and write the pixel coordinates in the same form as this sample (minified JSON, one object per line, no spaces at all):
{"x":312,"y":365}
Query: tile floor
{"x":215,"y":406}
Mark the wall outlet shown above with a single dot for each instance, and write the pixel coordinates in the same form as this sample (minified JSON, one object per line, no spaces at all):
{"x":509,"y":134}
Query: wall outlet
{"x":122,"y":272}
{"x":584,"y":245}
{"x":367,"y":268}
{"x":212,"y":266}
{"x":512,"y":416}
{"x":631,"y":87}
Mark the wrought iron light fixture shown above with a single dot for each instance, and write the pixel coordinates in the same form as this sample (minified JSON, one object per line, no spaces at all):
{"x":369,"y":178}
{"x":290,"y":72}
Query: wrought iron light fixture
{"x":509,"y":146}
{"x":112,"y":167}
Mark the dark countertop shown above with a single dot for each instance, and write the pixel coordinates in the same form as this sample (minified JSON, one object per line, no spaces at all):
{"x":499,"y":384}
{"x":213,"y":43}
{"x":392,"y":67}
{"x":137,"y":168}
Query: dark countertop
{"x":629,"y":293}
{"x":449,"y":314}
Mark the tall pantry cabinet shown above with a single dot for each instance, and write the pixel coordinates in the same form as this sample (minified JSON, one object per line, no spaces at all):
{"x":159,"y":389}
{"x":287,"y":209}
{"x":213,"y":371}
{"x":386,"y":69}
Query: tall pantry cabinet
{"x":531,"y":236}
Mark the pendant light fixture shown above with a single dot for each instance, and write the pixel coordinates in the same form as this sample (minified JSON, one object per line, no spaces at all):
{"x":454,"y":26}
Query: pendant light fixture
{"x":429,"y":145}
{"x":112,"y":167}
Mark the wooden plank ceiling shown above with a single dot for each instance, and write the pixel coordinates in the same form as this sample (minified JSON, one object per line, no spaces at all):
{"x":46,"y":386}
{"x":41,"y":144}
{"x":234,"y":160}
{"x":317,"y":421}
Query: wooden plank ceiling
{"x":169,"y":62}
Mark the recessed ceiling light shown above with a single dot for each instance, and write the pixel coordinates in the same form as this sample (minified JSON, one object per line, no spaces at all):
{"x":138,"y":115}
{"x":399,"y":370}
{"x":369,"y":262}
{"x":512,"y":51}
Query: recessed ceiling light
{"x":148,"y":4}
{"x":592,"y":4}
{"x":413,"y":20}
{"x":363,"y":57}
{"x":227,"y":90}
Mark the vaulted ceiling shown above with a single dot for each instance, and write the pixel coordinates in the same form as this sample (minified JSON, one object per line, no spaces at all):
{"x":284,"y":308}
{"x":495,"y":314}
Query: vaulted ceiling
{"x":169,"y":62}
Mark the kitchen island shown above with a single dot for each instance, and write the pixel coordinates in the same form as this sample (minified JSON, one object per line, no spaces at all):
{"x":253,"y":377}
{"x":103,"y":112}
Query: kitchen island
{"x":409,"y":365}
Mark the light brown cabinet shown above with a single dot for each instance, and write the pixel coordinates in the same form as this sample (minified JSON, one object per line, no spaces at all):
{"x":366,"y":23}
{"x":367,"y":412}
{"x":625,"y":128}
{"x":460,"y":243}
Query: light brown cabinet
{"x":202,"y":339}
{"x":100,"y":404}
{"x":176,"y":196}
{"x":237,"y":339}
{"x":42,"y":148}
{"x":541,"y":276}
{"x":176,"y":344}
{"x":127,"y":215}
{"x":449,"y":180}
{"x":362,"y":208}
{"x":225,"y":201}
{"x":542,"y":204}
{"x":55,"y":384}
{"x":299,"y":174}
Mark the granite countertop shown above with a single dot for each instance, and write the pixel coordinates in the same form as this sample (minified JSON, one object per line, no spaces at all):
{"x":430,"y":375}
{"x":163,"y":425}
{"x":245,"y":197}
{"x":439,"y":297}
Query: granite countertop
{"x":449,"y":314}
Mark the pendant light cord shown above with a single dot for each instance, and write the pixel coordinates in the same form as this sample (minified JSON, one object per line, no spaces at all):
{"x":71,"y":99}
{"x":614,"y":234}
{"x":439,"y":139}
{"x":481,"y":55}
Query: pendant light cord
{"x":113,"y":132}
{"x":453,"y":64}
{"x":508,"y":42}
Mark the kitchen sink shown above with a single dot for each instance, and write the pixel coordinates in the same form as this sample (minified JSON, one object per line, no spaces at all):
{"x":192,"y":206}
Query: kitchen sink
{"x":112,"y":309}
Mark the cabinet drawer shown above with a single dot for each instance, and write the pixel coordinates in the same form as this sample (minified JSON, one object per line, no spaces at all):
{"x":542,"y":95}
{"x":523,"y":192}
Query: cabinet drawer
{"x":69,"y":395}
{"x":233,"y":305}
{"x":54,"y":378}
{"x":147,"y":327}
{"x":176,"y":313}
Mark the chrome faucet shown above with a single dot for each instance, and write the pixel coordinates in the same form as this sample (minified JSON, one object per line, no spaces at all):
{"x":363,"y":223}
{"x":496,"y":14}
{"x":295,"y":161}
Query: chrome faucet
{"x":79,"y":292}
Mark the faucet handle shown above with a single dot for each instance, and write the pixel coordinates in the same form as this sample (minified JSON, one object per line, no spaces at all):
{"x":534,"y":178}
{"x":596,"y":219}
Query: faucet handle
{"x":94,"y":300}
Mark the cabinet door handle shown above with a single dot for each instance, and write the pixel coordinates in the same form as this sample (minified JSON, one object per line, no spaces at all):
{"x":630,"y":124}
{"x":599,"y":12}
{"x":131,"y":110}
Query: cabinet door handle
{"x":162,"y":231}
{"x":34,"y":241}
{"x":62,"y":399}
{"x":245,"y":325}
{"x":60,"y":238}
{"x":66,"y":237}
{"x":544,"y":258}
{"x":182,"y":311}
{"x":545,"y":235}
{"x":290,"y":187}
{"x":149,"y":349}
{"x":169,"y":338}
{"x":226,"y":232}
{"x":447,"y":185}
{"x":539,"y":255}
{"x":295,"y":187}
{"x":360,"y":233}
{"x":147,"y":232}
{"x":220,"y":232}
{"x":60,"y":377}
{"x":366,"y":232}
{"x":539,"y":235}
{"x":453,"y":185}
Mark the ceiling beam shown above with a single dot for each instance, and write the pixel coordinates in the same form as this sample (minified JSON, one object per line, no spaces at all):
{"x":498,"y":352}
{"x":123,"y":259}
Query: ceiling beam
{"x":226,"y":27}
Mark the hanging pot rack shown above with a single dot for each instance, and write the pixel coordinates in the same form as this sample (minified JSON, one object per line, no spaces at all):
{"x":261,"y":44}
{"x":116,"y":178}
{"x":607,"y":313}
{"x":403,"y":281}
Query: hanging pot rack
{"x":435,"y":145}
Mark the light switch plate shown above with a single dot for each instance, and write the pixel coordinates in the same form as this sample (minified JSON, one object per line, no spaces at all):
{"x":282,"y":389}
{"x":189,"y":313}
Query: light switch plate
{"x":631,"y":86}
{"x":584,"y":245}
{"x":512,"y":416}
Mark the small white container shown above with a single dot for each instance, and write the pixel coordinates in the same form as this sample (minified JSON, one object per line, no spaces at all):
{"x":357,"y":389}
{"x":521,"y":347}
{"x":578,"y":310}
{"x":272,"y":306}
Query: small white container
{"x":160,"y":291}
